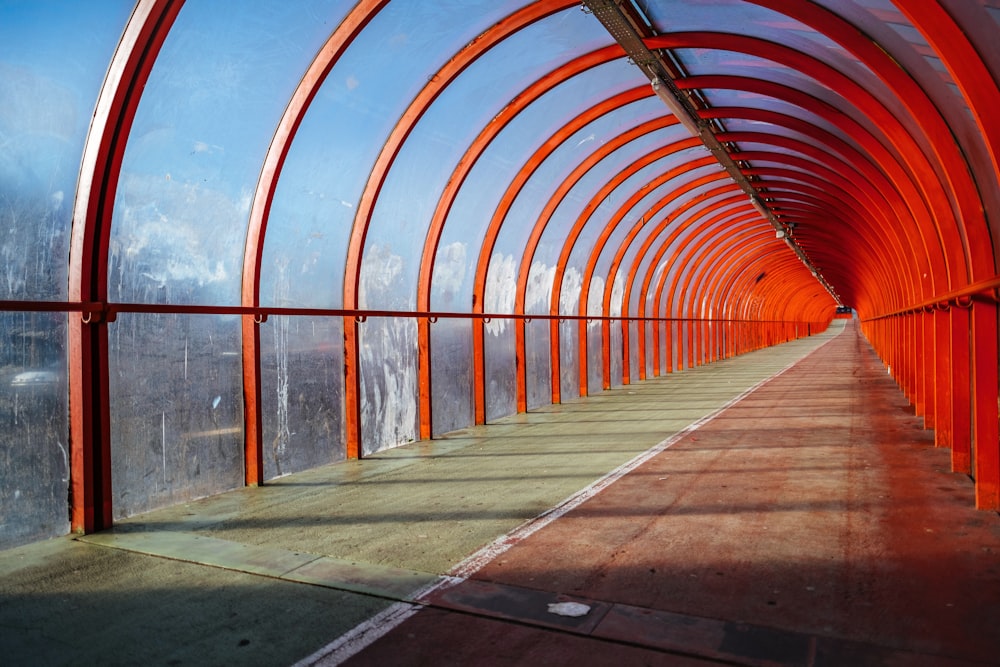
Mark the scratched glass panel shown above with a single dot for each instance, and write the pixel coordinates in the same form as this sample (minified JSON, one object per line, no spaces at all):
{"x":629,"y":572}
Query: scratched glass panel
{"x":389,"y":382}
{"x":34,"y":442}
{"x":208,"y":111}
{"x":451,"y":375}
{"x":200,"y":133}
{"x":569,"y":362}
{"x":176,"y":392}
{"x":302,"y":392}
{"x":53,"y":59}
{"x":537,"y":363}
{"x":498,"y":338}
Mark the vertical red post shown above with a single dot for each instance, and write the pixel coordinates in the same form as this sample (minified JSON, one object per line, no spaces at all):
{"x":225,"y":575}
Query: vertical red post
{"x":555,"y":363}
{"x":942,"y":379}
{"x":582,"y":356}
{"x":424,"y":377}
{"x":961,"y":405}
{"x":352,"y":389}
{"x":90,"y":425}
{"x":606,"y":354}
{"x":253,"y":452}
{"x":479,"y":369}
{"x":520,"y":365}
{"x":986,"y":439}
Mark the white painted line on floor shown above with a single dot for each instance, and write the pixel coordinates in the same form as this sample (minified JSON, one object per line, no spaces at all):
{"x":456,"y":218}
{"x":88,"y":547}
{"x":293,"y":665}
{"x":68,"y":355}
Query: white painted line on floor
{"x":365,"y":634}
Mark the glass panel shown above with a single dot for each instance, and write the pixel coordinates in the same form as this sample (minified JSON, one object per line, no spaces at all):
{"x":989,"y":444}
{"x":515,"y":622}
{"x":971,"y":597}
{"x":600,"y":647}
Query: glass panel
{"x":177,"y":408}
{"x":569,"y":334}
{"x":740,"y":99}
{"x":389,"y":409}
{"x":53,"y":59}
{"x":340,"y":137}
{"x":302,"y":392}
{"x":451,"y":367}
{"x":480,"y":195}
{"x":617,"y":291}
{"x":209,"y":109}
{"x":499,"y":337}
{"x":539,"y":370}
{"x":34,"y":456}
{"x":531,"y":201}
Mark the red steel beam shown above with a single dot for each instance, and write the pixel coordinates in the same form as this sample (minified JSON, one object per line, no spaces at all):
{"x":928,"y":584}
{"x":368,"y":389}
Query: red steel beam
{"x":89,"y":402}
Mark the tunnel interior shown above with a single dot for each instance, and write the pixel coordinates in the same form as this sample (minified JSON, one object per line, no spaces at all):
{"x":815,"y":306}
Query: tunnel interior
{"x":243,"y":244}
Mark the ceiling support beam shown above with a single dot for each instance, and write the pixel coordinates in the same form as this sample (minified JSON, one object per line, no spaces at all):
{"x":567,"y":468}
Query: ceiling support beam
{"x":629,"y":28}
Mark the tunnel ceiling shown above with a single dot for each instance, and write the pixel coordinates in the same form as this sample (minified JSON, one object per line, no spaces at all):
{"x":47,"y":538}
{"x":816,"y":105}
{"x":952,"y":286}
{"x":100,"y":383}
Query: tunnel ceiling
{"x":424,"y":156}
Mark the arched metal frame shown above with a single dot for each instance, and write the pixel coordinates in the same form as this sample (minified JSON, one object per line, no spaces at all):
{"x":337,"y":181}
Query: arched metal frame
{"x":913,"y":250}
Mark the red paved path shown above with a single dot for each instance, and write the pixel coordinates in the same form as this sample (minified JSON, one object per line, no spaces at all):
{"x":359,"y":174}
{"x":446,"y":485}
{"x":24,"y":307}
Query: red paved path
{"x":811,"y":523}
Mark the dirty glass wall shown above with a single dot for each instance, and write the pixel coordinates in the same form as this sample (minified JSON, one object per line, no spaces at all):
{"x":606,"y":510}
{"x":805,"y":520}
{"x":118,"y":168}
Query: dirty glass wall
{"x":178,"y":233}
{"x":53,"y":56}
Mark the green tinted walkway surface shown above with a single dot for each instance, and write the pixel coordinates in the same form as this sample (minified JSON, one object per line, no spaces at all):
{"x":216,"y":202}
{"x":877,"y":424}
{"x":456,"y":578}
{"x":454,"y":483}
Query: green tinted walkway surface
{"x":290,"y":571}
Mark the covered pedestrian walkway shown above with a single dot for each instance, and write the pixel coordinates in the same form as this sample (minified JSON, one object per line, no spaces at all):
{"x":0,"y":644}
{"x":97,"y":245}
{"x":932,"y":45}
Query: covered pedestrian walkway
{"x":783,"y":507}
{"x":304,"y":304}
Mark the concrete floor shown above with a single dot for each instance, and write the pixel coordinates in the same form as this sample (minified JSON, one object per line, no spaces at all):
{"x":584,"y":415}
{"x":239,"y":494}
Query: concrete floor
{"x":810,"y":522}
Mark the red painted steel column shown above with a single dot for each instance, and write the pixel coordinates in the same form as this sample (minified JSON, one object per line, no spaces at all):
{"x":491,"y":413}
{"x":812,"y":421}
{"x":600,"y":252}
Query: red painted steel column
{"x":274,"y":160}
{"x":986,"y":438}
{"x":479,"y":369}
{"x":520,"y":365}
{"x":927,"y":367}
{"x":253,"y":423}
{"x":90,"y":501}
{"x":961,"y":394}
{"x":352,"y":389}
{"x":942,"y":379}
{"x":424,"y":379}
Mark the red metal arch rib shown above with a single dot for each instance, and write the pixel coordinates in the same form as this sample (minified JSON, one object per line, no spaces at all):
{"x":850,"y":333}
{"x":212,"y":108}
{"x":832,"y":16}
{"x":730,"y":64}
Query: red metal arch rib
{"x":260,"y":210}
{"x":90,"y":420}
{"x":594,"y":255}
{"x":896,"y":180}
{"x":969,"y":220}
{"x":394,"y":142}
{"x":699,"y":185}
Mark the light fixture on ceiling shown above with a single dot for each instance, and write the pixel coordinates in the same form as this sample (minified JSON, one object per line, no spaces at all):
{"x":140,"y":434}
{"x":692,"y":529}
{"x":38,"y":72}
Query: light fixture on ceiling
{"x":682,"y":115}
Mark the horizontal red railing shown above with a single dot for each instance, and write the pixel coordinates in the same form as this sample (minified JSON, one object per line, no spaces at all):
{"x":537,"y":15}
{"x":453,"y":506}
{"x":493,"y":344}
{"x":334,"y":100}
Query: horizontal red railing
{"x":107,"y":311}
